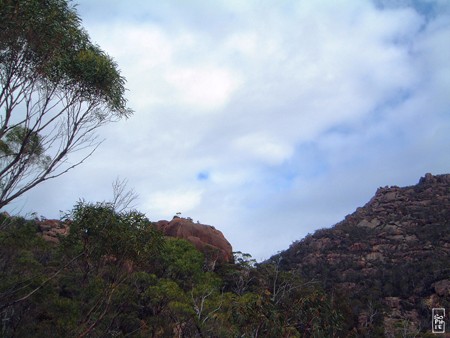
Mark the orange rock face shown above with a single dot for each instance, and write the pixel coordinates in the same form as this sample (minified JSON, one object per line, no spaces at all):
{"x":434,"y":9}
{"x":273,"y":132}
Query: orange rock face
{"x":205,"y":238}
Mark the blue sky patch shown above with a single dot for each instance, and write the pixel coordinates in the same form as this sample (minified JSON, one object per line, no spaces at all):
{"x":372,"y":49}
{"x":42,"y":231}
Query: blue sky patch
{"x":203,"y":176}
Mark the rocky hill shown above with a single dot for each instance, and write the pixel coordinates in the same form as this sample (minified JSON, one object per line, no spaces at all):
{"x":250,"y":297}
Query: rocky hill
{"x":390,"y":258}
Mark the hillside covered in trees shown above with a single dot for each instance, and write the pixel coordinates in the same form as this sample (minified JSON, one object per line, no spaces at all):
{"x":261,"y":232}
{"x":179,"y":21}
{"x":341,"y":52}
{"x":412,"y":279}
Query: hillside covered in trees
{"x":377,"y":273}
{"x":103,"y":271}
{"x":390,"y":258}
{"x":114,"y":274}
{"x":107,"y":271}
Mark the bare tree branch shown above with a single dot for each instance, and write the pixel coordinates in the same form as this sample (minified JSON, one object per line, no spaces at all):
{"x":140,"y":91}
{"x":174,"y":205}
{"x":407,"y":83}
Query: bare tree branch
{"x":123,"y":199}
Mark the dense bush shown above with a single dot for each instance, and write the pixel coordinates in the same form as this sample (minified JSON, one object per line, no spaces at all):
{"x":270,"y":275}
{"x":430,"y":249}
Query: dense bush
{"x":114,"y":275}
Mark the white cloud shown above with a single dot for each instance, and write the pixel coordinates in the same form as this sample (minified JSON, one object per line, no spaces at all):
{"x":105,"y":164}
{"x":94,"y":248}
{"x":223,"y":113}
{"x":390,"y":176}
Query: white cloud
{"x":263,"y":147}
{"x":243,"y":43}
{"x":166,"y":203}
{"x":296,"y":111}
{"x":202,"y":87}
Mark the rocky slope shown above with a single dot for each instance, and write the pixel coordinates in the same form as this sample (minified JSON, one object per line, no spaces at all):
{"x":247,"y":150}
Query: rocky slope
{"x":391,"y":258}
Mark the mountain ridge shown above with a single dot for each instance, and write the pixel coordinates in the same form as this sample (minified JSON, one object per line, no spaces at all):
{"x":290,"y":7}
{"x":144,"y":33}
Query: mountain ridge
{"x":389,"y":256}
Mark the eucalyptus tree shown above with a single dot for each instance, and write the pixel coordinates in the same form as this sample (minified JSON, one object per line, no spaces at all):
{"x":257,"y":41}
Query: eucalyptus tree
{"x":57,"y":89}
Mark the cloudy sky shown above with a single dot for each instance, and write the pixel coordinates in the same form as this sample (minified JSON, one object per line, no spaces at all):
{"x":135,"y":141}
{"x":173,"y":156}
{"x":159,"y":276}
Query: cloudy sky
{"x":268,"y":119}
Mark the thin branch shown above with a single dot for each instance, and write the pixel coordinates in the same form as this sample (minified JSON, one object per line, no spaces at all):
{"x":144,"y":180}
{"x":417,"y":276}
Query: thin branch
{"x":122,"y":199}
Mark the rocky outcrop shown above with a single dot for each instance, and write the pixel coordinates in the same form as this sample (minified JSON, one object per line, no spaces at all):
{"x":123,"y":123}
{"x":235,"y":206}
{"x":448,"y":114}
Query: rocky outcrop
{"x":395,"y":248}
{"x":397,"y":209}
{"x":205,"y":238}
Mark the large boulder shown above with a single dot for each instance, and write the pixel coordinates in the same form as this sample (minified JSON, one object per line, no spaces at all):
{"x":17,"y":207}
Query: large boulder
{"x":205,"y":238}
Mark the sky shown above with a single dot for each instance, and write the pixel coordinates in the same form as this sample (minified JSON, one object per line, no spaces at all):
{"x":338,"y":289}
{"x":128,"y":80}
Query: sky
{"x":267,"y":119}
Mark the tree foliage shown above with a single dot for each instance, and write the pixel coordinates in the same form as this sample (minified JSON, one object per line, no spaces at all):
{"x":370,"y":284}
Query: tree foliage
{"x":57,"y":88}
{"x":115,"y":275}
